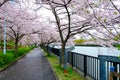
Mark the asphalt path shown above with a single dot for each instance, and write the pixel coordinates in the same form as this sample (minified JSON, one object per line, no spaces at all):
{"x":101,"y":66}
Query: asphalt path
{"x":33,"y":66}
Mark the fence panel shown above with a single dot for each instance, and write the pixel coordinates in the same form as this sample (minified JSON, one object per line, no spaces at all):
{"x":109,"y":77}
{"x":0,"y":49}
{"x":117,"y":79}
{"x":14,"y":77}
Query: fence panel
{"x":91,"y":66}
{"x":55,"y":51}
{"x":87,"y":64}
{"x":116,"y":75}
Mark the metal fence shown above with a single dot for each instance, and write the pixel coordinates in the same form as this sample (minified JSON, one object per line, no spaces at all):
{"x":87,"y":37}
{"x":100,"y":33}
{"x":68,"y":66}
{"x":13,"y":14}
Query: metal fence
{"x":55,"y":51}
{"x":87,"y":64}
{"x":90,"y":66}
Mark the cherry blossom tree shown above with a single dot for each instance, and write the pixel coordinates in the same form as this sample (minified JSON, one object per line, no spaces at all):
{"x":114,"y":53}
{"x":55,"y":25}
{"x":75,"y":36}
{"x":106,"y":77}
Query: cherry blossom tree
{"x":68,"y":23}
{"x":104,"y":15}
{"x":18,"y":22}
{"x":47,"y":35}
{"x":18,"y":31}
{"x":46,"y":39}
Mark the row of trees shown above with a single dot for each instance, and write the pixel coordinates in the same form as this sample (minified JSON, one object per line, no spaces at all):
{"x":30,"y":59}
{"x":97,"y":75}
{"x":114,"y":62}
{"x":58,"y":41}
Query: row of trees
{"x":22,"y":27}
{"x":96,"y":18}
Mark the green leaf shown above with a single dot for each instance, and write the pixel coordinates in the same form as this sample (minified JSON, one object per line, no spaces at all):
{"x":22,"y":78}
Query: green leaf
{"x":115,"y":13}
{"x":119,"y":56}
{"x":105,"y":20}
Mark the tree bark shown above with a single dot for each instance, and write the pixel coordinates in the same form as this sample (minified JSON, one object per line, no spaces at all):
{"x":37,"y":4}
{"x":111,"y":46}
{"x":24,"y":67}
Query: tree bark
{"x":1,"y":47}
{"x":16,"y":46}
{"x":62,"y":62}
{"x":1,"y":4}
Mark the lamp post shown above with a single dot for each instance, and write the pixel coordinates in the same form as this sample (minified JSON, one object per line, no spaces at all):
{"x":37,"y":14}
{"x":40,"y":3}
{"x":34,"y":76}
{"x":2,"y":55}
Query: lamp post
{"x":4,"y":50}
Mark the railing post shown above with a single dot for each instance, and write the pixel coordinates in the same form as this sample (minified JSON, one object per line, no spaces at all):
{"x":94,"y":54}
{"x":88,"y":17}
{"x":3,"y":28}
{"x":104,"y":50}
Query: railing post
{"x":115,"y":69}
{"x":72,"y":59}
{"x":60,"y":56}
{"x":85,"y":65}
{"x":102,"y":67}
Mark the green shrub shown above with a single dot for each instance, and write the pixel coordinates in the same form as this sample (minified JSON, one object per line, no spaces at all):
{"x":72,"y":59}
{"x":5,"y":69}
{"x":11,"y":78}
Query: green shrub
{"x":6,"y":58}
{"x":117,"y":46}
{"x":23,"y":50}
{"x":10,"y":56}
{"x":10,"y":51}
{"x":80,"y":41}
{"x":2,"y":57}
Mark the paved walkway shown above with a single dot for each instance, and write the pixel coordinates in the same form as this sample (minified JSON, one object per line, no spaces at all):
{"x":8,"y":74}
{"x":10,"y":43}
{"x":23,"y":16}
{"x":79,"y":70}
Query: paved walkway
{"x":34,"y":66}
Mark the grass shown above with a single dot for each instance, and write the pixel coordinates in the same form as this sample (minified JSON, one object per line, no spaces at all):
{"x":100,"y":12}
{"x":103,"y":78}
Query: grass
{"x":6,"y":65}
{"x":6,"y":60}
{"x":71,"y":75}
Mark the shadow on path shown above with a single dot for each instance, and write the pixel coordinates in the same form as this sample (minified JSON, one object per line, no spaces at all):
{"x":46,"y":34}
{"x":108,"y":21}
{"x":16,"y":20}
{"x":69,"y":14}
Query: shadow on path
{"x":33,"y":66}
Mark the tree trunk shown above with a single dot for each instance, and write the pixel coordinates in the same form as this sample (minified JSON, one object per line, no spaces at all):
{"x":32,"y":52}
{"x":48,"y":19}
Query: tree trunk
{"x":48,"y":50}
{"x":16,"y":46}
{"x":1,"y":46}
{"x":62,"y":62}
{"x":1,"y":41}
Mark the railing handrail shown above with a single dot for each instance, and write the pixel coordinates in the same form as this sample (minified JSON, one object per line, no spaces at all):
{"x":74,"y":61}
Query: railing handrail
{"x":83,"y":54}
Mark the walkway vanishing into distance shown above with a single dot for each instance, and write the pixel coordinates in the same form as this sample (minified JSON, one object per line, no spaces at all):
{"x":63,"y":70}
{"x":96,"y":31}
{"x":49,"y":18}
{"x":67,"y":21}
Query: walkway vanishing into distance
{"x":33,"y":66}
